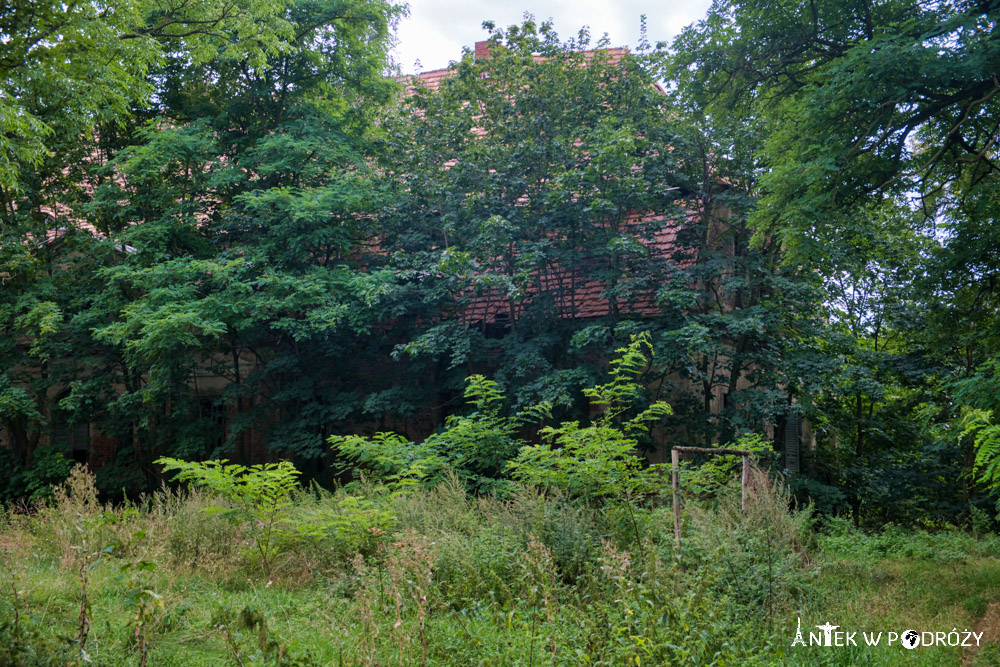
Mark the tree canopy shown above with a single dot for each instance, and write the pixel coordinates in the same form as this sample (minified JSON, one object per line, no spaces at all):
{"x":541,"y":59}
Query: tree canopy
{"x":229,"y":229}
{"x":877,"y":172}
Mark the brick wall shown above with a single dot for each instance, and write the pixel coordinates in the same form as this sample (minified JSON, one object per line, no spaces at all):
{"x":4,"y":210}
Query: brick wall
{"x":102,"y":449}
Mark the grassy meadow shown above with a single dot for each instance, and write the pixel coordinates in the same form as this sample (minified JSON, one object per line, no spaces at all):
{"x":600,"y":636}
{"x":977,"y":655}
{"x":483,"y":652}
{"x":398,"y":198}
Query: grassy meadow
{"x":439,"y":577}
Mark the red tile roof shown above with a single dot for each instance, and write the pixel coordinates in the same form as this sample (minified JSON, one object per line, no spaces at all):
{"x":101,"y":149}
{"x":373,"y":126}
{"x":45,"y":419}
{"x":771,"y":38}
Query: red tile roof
{"x":574,"y":296}
{"x":432,"y":78}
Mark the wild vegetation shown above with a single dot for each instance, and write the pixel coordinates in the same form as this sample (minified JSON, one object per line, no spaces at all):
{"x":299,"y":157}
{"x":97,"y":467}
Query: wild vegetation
{"x":571,"y":558}
{"x":276,"y":219}
{"x":340,"y":329}
{"x":368,"y":575}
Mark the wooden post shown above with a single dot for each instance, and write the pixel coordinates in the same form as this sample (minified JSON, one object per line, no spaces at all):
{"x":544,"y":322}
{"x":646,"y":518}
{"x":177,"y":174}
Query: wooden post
{"x":746,"y":478}
{"x":675,"y":476}
{"x":675,"y":472}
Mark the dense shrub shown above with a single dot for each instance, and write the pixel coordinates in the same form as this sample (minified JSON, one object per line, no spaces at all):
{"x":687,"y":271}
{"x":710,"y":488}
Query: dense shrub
{"x":18,"y":483}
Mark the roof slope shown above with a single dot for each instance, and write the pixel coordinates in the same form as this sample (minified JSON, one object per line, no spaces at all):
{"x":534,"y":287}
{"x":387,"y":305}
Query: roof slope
{"x":572,"y":293}
{"x":432,"y":79}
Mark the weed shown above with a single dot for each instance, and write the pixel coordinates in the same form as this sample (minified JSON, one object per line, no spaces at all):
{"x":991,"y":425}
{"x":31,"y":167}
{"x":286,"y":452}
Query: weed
{"x":261,"y":492}
{"x":758,"y":553}
{"x":441,"y":576}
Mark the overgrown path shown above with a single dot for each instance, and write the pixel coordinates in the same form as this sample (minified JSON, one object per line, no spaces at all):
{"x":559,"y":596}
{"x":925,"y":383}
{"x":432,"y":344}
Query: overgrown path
{"x":989,"y":625}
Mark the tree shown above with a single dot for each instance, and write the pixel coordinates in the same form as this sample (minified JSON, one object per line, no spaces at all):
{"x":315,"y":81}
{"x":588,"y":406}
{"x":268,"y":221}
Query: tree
{"x":557,"y":187}
{"x":877,"y":175}
{"x":260,"y":494}
{"x":245,"y":207}
{"x":71,"y":66}
{"x":208,"y":221}
{"x":847,"y":123}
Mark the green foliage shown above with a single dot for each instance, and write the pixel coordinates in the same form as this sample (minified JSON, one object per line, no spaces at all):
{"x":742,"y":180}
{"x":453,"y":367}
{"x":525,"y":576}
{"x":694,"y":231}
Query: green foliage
{"x":882,"y":186}
{"x":24,"y":637}
{"x":343,"y":523}
{"x":758,"y":554}
{"x":982,"y":523}
{"x":191,"y":190}
{"x":392,"y":458}
{"x":74,"y":67}
{"x":262,"y":488}
{"x":716,"y":472}
{"x":148,"y":605}
{"x":464,"y":578}
{"x":50,"y":467}
{"x":600,"y":459}
{"x":986,"y":437}
{"x":475,"y":447}
{"x":840,"y":538}
{"x":481,"y":448}
{"x":554,"y":251}
{"x":132,"y":214}
{"x":840,"y":114}
{"x":262,"y":493}
{"x":251,"y":642}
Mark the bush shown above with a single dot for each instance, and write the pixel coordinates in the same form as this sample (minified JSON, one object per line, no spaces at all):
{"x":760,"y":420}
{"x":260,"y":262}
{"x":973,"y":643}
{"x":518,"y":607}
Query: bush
{"x":338,"y":525}
{"x":574,"y":535}
{"x":261,"y":494}
{"x":50,"y":467}
{"x":598,"y":460}
{"x":475,"y":448}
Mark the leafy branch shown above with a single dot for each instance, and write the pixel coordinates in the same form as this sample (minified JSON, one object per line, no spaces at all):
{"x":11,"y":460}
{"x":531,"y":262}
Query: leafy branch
{"x":262,"y":492}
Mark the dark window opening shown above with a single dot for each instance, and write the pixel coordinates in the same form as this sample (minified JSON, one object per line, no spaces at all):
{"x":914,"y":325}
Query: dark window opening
{"x":498,"y":328}
{"x":74,"y":437}
{"x":213,"y":414}
{"x":789,"y":438}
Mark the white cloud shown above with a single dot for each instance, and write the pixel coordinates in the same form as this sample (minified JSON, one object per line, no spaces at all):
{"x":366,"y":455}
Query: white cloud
{"x":436,"y":30}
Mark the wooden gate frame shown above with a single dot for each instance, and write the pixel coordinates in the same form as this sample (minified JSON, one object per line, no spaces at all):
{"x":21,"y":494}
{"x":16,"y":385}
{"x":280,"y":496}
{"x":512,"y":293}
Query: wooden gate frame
{"x":675,"y":478}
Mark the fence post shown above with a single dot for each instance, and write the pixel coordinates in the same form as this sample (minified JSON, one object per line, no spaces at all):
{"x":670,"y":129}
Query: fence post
{"x":743,"y":484}
{"x":675,"y":478}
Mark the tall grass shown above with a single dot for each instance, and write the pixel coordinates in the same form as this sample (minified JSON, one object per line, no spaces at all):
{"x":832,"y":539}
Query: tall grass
{"x":367,"y":576}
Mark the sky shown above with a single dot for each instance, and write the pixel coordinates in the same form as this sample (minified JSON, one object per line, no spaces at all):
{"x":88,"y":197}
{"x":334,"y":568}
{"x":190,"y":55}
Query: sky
{"x":436,"y":30}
